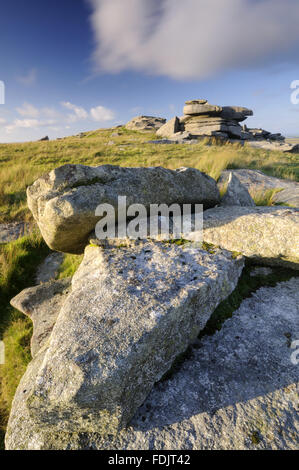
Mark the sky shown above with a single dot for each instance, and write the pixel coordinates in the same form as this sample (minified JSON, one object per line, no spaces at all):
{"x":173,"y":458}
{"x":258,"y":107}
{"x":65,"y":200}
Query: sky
{"x":70,"y":66}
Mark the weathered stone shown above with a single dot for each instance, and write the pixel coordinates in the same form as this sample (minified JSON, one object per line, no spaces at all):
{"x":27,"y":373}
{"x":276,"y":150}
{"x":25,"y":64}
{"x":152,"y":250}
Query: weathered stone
{"x":261,"y":271}
{"x":145,"y":123}
{"x":136,"y":309}
{"x":64,"y":201}
{"x":207,"y":108}
{"x":257,"y":184}
{"x":237,"y":390}
{"x":202,"y":120}
{"x":48,"y":270}
{"x":236,"y":113}
{"x":196,"y":102}
{"x":277,"y":137}
{"x":261,"y":134}
{"x":42,"y":304}
{"x":236,"y":193}
{"x":264,"y":234}
{"x":14,"y":230}
{"x":170,"y":128}
{"x":208,"y":130}
{"x":278,"y":146}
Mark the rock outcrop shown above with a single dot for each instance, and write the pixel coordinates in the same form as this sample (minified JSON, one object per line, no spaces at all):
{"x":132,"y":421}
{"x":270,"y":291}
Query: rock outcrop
{"x":257,"y":183}
{"x":236,"y":193}
{"x":104,"y":370}
{"x":145,"y":123}
{"x":202,"y":119}
{"x":265,"y":234}
{"x":64,"y":201}
{"x":137,"y":308}
{"x":237,"y":390}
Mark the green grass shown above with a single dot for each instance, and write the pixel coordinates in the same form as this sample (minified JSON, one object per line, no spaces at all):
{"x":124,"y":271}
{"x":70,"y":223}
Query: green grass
{"x":22,"y":164}
{"x":265,"y":198}
{"x":69,"y":266}
{"x":18,"y":262}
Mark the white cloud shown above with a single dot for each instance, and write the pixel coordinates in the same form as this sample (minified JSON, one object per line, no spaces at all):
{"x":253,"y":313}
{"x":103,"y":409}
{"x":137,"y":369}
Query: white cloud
{"x":51,"y":113}
{"x":29,"y":78}
{"x":193,"y":39}
{"x":101,"y":114}
{"x":28,"y":110}
{"x":77,"y":111}
{"x":27,"y":124}
{"x":2,"y":120}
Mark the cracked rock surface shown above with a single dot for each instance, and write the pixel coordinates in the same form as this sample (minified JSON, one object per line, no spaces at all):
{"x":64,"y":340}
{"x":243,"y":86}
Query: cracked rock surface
{"x":239,"y":390}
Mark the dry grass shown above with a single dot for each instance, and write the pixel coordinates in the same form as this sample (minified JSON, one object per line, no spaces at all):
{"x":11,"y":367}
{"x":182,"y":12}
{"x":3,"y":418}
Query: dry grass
{"x":21,"y":164}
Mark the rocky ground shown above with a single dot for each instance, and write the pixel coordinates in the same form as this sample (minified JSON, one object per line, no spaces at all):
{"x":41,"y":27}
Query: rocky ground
{"x":12,"y":231}
{"x":107,"y":343}
{"x":237,"y":390}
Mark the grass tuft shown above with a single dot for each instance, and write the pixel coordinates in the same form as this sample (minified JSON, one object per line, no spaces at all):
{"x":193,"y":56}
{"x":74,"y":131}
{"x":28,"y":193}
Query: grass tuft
{"x":18,"y":263}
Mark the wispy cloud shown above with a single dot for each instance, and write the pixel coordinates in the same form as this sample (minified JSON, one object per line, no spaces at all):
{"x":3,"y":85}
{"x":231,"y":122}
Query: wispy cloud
{"x":27,"y":124}
{"x":78,"y":113}
{"x":28,"y":110}
{"x":101,"y":114}
{"x":54,"y":119}
{"x":193,"y":39}
{"x":28,"y":78}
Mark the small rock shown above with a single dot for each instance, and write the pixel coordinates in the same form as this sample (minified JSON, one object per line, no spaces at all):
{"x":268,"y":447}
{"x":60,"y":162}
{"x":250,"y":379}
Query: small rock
{"x":236,"y":194}
{"x":145,"y":123}
{"x":14,"y":230}
{"x":261,"y":271}
{"x":42,"y":304}
{"x":48,"y":269}
{"x":170,"y":128}
{"x":257,"y":183}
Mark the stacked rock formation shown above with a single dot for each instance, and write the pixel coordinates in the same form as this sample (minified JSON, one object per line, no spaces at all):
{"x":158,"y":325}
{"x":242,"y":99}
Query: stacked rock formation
{"x":202,"y":119}
{"x":104,"y":338}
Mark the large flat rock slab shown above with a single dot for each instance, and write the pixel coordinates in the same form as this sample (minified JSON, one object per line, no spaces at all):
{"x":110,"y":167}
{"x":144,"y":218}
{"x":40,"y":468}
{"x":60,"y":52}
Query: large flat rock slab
{"x":265,"y":234}
{"x":257,"y":184}
{"x":239,"y":390}
{"x":131,"y":312}
{"x":64,"y":201}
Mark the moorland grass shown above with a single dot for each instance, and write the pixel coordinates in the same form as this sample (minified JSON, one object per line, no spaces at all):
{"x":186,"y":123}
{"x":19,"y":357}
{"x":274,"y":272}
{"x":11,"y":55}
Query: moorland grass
{"x":18,"y":263}
{"x":22,"y":164}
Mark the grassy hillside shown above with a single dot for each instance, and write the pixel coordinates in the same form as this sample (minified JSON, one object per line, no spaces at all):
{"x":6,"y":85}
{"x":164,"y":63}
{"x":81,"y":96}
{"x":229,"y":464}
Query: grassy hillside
{"x":21,"y":164}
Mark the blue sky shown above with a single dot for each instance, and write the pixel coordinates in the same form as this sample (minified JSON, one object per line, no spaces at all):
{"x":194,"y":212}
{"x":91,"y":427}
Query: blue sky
{"x":76,"y":65}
